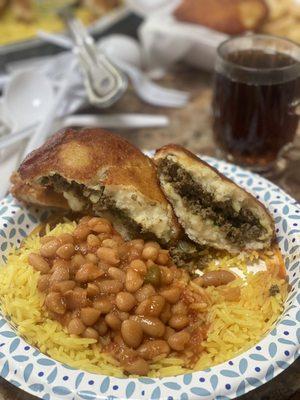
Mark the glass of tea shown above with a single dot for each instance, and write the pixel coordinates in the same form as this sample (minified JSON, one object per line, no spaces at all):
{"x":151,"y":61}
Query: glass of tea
{"x":256,"y":99}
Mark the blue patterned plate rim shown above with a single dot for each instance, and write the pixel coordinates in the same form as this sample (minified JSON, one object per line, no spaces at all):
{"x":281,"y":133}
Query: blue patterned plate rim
{"x":27,"y":368}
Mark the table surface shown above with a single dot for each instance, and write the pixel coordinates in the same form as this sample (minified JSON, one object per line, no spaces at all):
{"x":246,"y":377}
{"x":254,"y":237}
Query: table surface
{"x":191,"y":127}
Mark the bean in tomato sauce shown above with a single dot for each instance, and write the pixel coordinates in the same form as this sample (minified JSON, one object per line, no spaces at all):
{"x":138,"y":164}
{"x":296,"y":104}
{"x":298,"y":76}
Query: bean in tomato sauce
{"x":128,"y":296}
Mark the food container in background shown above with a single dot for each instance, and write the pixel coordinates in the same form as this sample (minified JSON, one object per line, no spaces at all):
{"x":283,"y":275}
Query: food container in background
{"x":166,"y":39}
{"x":15,"y":47}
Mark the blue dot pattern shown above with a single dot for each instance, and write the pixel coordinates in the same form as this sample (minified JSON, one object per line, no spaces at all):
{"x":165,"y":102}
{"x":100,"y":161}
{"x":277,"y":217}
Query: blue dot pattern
{"x":32,"y":371}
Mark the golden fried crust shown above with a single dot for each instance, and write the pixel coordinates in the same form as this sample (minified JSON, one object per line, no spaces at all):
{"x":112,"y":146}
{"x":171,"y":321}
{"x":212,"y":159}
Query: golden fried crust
{"x":93,"y":157}
{"x":176,"y":149}
{"x":33,"y":193}
{"x":228,"y":16}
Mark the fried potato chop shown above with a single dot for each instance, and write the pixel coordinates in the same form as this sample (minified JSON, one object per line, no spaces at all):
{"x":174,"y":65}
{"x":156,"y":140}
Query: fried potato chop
{"x":212,"y":209}
{"x":99,"y":173}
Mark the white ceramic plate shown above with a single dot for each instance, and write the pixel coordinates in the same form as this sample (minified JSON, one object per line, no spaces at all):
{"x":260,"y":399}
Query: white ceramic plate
{"x":34,"y":372}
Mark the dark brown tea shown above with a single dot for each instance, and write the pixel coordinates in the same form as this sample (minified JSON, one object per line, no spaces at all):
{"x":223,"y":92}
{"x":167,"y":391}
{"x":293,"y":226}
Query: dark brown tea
{"x":255,"y":120}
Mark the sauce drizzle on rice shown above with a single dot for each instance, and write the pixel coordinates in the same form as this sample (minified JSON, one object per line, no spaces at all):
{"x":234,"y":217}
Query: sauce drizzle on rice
{"x":237,"y":314}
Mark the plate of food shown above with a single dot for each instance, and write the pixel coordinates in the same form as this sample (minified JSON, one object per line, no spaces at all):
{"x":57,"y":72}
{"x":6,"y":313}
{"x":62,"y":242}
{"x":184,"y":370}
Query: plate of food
{"x":193,"y":29}
{"x":20,"y":20}
{"x":130,"y":276}
{"x":276,"y":17}
{"x":19,"y":38}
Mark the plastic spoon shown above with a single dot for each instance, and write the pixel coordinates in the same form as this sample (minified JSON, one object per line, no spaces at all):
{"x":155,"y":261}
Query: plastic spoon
{"x":26,"y":99}
{"x":44,"y":127}
{"x":147,"y":90}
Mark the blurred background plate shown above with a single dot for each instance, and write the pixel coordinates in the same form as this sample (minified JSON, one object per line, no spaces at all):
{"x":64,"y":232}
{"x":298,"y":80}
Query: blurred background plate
{"x":117,"y":20}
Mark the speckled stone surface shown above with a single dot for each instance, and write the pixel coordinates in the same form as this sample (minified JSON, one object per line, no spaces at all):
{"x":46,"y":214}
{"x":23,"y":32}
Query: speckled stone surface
{"x":191,"y":127}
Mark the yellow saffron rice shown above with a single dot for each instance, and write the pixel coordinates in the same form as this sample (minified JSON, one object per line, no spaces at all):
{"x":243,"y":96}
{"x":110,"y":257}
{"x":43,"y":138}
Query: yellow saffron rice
{"x":234,"y":325}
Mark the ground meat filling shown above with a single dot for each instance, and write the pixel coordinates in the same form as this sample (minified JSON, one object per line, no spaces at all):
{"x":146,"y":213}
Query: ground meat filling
{"x":240,"y":227}
{"x":60,"y":185}
{"x":188,"y":255}
{"x":95,"y":201}
{"x":184,"y":254}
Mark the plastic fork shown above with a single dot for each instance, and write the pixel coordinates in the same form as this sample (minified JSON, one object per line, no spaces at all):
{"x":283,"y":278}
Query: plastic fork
{"x":146,"y":89}
{"x":104,"y":83}
{"x":150,"y":91}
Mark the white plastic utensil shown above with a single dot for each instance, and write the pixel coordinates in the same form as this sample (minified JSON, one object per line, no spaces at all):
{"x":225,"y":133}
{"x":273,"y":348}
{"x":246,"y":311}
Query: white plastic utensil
{"x":104,"y":83}
{"x":44,"y":128}
{"x":4,"y":123}
{"x":27,"y":97}
{"x":11,"y":138}
{"x":124,"y":47}
{"x":126,"y":53}
{"x":148,"y":91}
{"x":117,"y":121}
{"x":25,"y":100}
{"x":113,"y":121}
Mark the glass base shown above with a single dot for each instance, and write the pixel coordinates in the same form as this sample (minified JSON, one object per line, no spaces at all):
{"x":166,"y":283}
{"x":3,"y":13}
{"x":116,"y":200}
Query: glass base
{"x":275,"y":168}
{"x":272,"y":170}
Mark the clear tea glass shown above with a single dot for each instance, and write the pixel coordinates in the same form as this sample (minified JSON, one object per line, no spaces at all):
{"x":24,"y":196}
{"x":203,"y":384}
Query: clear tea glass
{"x":256,"y":99}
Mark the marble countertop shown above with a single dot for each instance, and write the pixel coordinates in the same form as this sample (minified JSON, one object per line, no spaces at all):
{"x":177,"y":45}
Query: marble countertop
{"x":191,"y":127}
